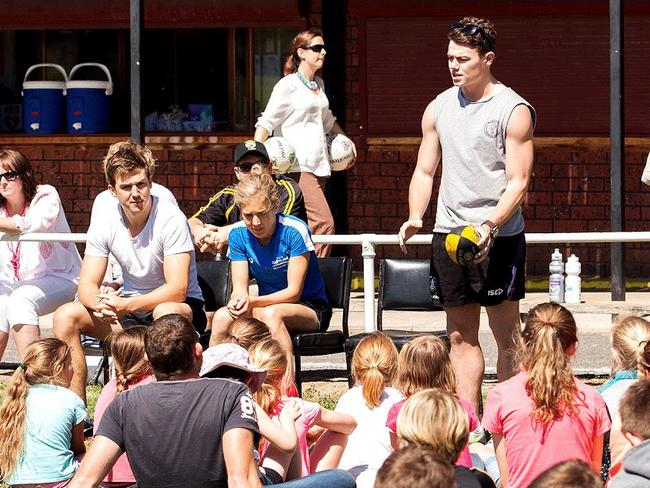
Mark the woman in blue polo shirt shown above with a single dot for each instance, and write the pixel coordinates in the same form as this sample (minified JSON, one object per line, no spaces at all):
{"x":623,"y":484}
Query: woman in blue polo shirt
{"x":277,"y":251}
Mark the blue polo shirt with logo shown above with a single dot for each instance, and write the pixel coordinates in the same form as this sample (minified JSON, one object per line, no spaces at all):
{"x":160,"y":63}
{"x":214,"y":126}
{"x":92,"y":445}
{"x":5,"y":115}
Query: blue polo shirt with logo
{"x":269,"y":264}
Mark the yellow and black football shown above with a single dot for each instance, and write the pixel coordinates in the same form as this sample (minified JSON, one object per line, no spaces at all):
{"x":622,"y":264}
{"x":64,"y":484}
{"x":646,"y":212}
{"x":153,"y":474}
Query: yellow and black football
{"x":461,"y":245}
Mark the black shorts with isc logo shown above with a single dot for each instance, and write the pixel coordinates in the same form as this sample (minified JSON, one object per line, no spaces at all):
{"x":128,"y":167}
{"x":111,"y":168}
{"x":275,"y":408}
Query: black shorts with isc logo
{"x":499,"y":277}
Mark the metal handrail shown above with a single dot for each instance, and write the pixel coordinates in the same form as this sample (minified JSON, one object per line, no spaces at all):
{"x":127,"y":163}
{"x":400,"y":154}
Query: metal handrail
{"x":368,"y":242}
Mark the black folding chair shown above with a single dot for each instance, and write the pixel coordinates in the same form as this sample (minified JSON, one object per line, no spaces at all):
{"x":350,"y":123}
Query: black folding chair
{"x":404,"y":284}
{"x":337,"y":275}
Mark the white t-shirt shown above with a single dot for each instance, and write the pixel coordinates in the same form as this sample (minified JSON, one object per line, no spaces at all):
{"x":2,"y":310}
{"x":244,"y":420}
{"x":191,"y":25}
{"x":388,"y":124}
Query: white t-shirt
{"x":166,"y":233}
{"x":105,"y":201}
{"x":369,"y":444}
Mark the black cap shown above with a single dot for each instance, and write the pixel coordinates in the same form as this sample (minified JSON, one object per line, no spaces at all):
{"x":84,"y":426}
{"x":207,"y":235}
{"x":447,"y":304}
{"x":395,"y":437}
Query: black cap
{"x":250,"y":147}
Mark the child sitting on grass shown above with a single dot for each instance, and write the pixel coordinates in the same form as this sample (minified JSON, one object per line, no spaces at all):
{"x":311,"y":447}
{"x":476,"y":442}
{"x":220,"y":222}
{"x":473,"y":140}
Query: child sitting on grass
{"x":635,"y":420}
{"x":436,"y":419}
{"x":374,"y":365}
{"x":544,"y":415}
{"x":620,"y":443}
{"x":568,"y":474}
{"x":326,"y":453}
{"x":414,"y":466}
{"x":41,"y":421}
{"x":423,"y":363}
{"x":131,"y":370}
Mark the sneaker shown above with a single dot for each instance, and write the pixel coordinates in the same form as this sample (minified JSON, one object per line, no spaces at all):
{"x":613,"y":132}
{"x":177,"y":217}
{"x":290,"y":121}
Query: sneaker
{"x":479,"y":435}
{"x":87,"y":341}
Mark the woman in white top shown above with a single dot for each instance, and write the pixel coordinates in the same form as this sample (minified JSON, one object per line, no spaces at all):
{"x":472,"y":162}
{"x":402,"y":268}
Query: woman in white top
{"x":35,"y":277}
{"x":298,"y":110}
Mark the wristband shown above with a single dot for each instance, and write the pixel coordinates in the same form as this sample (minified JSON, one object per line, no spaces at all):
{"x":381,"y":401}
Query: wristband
{"x":494,"y":228}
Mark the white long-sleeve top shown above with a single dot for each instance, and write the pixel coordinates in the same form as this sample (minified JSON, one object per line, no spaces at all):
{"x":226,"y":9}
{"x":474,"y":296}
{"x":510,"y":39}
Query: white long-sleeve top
{"x":35,"y":260}
{"x":303,"y":117}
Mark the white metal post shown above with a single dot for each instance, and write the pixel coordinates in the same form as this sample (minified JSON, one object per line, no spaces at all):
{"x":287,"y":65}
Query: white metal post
{"x":368,"y":253}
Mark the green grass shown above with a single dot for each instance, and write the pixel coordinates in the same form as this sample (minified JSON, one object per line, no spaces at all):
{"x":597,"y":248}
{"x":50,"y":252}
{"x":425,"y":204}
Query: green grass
{"x":325,"y":400}
{"x":92,"y":393}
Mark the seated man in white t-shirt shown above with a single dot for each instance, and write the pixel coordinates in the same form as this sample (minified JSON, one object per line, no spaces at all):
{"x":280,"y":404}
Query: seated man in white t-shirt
{"x":151,"y":241}
{"x":104,"y":202}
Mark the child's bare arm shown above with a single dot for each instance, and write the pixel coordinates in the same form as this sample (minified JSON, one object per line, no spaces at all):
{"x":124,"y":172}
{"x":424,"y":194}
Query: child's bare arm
{"x":336,"y":421}
{"x":77,"y":442}
{"x":597,"y":454}
{"x":284,"y":436}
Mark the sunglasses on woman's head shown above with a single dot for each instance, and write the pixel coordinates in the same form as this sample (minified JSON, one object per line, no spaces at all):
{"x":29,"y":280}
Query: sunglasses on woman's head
{"x":317,"y":48}
{"x":9,"y":176}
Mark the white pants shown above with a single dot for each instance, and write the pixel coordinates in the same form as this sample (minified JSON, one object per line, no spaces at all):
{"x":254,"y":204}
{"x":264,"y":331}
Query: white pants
{"x":22,"y":303}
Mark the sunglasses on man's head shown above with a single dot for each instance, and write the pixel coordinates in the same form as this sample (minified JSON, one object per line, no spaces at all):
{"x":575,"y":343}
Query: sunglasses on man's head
{"x":247,"y":166}
{"x":469,"y":29}
{"x":317,"y":48}
{"x":9,"y":176}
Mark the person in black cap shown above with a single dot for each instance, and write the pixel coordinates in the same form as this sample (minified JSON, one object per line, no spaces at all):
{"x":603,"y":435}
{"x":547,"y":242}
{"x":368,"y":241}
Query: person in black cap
{"x":211,"y":224}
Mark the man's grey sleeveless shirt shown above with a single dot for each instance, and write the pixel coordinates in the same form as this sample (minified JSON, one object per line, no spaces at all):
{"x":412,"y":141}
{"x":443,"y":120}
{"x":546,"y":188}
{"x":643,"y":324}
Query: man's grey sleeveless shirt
{"x":473,"y":140}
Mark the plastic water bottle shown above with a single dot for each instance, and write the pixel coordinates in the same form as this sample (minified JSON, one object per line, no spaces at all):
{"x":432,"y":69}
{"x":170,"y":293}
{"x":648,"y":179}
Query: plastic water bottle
{"x":573,"y":283}
{"x":556,"y":280}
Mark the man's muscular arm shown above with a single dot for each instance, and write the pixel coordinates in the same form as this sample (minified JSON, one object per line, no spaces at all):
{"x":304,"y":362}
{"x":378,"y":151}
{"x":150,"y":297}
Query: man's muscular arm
{"x":519,"y":164}
{"x":422,"y":179}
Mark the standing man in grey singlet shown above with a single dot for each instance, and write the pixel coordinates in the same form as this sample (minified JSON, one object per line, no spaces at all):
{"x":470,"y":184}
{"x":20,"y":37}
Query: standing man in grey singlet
{"x":483,"y":131}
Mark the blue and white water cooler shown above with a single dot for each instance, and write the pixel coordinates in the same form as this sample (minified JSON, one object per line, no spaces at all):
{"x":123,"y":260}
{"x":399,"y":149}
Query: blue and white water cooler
{"x":43,"y":102}
{"x":89,"y":102}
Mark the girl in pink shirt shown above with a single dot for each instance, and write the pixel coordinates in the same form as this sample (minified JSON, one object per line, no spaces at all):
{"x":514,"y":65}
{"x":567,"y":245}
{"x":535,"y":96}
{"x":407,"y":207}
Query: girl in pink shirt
{"x":544,"y":415}
{"x":423,"y":363}
{"x":131,"y":370}
{"x":272,"y":397}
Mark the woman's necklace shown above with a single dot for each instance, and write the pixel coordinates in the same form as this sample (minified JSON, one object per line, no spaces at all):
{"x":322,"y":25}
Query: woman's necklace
{"x":15,"y":252}
{"x":312,"y":85}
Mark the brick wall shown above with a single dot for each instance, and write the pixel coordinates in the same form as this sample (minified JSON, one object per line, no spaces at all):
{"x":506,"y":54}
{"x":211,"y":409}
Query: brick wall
{"x":569,"y":192}
{"x":192,"y":174}
{"x":569,"y":189}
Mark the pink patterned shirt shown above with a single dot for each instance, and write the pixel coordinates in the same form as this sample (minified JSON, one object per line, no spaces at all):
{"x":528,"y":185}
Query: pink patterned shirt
{"x":22,"y":261}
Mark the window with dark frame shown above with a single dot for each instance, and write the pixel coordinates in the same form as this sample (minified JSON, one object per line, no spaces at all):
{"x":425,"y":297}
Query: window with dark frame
{"x":228,"y":72}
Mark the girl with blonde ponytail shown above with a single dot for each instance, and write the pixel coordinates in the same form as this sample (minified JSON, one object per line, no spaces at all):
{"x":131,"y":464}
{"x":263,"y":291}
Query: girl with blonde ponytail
{"x":630,"y":336}
{"x":374,"y":365}
{"x":544,"y":415}
{"x":131,"y":370}
{"x":41,"y":421}
{"x":325,"y":454}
